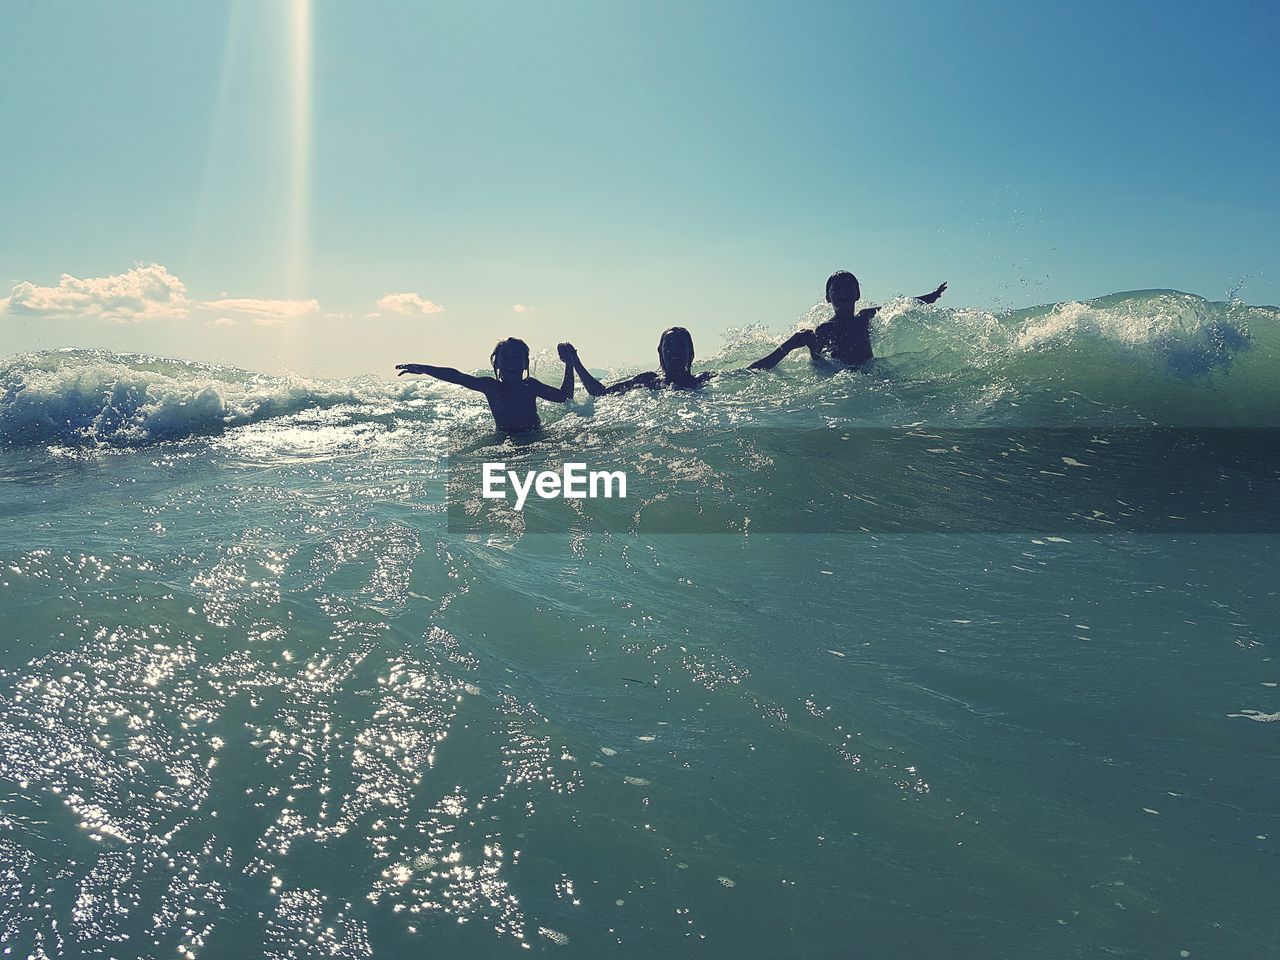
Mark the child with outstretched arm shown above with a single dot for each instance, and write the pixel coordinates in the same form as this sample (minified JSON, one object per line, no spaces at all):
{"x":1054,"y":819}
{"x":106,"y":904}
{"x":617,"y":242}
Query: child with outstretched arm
{"x":511,"y":392}
{"x":846,"y":337}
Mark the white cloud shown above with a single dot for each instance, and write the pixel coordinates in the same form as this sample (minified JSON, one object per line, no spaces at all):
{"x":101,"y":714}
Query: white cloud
{"x":520,"y":308}
{"x":148,"y":291}
{"x":264,"y":312}
{"x":409,"y":303}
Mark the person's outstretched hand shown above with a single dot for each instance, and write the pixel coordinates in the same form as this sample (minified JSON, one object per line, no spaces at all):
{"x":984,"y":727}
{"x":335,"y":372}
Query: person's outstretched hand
{"x":567,"y":352}
{"x":408,"y":368}
{"x":804,"y":338}
{"x":933,"y":297}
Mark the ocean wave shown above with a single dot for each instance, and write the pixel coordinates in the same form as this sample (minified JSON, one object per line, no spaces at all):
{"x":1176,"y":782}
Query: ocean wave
{"x":1152,"y":356}
{"x":96,"y":398}
{"x":1141,"y":357}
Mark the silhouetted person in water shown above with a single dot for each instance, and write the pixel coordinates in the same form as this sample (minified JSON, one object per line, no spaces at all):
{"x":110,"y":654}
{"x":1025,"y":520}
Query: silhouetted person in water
{"x":846,"y":336}
{"x":511,"y":392}
{"x":675,"y":356}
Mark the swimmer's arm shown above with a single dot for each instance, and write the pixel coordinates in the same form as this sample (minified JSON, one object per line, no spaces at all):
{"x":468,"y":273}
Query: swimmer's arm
{"x":933,"y":297}
{"x":594,"y":387}
{"x":565,"y":392}
{"x":649,"y":379}
{"x":801,"y":338}
{"x":597,"y":389}
{"x":448,"y":375}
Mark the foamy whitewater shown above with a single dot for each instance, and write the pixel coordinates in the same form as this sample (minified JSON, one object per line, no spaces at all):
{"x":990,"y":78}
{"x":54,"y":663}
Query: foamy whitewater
{"x":257,"y":697}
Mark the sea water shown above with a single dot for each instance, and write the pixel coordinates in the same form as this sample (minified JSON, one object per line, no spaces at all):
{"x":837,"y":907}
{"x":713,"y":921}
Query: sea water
{"x":263,"y":693}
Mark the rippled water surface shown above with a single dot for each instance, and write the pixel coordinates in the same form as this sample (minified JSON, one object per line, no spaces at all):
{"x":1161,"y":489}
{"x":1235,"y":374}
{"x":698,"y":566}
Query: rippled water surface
{"x":257,"y":698}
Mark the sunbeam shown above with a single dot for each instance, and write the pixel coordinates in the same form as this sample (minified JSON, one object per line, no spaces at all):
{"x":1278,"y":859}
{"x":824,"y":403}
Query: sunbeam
{"x":300,"y":144}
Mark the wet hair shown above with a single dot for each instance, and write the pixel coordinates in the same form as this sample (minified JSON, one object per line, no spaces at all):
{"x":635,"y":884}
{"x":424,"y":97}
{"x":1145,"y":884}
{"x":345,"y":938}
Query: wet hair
{"x":679,"y":335}
{"x":840,"y":275}
{"x":511,"y":343}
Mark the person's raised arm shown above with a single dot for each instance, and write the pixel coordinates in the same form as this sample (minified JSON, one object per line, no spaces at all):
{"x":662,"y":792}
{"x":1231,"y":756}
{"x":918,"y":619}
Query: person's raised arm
{"x":565,"y":392}
{"x":448,"y":375}
{"x":801,"y":338}
{"x":933,"y":297}
{"x":597,"y":389}
{"x":570,"y":355}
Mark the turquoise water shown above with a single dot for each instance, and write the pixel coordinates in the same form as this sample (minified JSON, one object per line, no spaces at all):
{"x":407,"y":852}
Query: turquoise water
{"x":257,"y":698}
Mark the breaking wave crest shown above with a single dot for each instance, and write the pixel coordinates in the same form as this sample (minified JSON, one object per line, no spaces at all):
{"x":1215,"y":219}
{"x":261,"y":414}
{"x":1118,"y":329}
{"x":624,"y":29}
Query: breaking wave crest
{"x":99,"y":398}
{"x":1140,"y":357}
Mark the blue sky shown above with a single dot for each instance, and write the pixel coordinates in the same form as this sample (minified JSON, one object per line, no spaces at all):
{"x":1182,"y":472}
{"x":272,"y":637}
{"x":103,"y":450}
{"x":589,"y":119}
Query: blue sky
{"x":613,"y":168}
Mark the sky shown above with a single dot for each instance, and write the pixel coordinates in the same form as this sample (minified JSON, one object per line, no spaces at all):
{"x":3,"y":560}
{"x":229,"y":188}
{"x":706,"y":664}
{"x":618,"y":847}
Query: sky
{"x":333,"y":188}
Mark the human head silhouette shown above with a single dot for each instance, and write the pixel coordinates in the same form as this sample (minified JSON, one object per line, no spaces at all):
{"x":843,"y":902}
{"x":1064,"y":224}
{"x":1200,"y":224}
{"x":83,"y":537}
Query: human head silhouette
{"x":675,"y":353}
{"x":510,"y":359}
{"x":843,"y":290}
